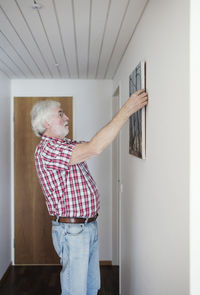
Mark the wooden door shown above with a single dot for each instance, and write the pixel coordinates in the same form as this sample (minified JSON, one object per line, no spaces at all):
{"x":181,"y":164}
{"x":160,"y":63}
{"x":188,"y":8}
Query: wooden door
{"x":33,"y":241}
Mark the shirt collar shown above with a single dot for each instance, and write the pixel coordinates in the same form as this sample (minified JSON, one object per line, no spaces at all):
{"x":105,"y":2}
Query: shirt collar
{"x":45,"y":137}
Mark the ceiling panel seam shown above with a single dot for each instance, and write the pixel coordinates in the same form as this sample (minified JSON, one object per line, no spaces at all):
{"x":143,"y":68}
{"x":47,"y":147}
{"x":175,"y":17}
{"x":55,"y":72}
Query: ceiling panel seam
{"x":26,"y":22}
{"x":75,"y":37}
{"x":10,"y":69}
{"x":117,"y":37}
{"x":13,"y":61}
{"x":22,"y":41}
{"x":5,"y":74}
{"x":89,"y":38}
{"x":102,"y":41}
{"x":137,"y":23}
{"x":54,"y":57}
{"x":60,"y":33}
{"x":18,"y":54}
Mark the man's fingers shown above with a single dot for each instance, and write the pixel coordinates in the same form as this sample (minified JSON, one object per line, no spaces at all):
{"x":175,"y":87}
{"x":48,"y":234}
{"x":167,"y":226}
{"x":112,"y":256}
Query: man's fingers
{"x":143,"y":98}
{"x":141,"y":93}
{"x":141,"y":105}
{"x":138,"y":92}
{"x":139,"y":99}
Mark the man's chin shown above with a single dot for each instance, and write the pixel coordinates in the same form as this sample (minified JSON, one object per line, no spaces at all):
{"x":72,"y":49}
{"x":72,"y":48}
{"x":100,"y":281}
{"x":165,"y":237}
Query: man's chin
{"x":66,"y":131}
{"x":61,"y":133}
{"x":64,"y":134}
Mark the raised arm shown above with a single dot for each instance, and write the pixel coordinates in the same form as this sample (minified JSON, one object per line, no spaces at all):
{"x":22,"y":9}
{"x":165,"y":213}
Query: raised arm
{"x":107,"y":134}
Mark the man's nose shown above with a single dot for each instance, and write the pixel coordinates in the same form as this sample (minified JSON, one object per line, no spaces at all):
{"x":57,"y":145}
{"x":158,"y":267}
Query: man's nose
{"x":66,"y":118}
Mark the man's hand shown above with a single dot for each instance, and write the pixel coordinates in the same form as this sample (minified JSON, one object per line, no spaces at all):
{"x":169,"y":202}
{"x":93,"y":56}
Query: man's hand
{"x":136,"y":101}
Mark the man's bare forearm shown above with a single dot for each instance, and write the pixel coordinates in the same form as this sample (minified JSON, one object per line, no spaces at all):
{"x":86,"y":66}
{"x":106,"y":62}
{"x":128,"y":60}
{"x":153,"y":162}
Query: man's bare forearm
{"x":108,"y":133}
{"x":100,"y":141}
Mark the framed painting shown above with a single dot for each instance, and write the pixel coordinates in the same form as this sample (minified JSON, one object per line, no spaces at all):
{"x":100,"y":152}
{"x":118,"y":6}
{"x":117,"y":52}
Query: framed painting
{"x":137,"y":122}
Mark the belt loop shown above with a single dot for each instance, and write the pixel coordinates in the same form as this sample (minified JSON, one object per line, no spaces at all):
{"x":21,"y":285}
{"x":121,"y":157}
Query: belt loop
{"x":57,"y":218}
{"x":86,"y":220}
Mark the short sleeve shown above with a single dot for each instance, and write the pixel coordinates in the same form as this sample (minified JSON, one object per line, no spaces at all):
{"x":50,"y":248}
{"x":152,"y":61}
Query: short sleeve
{"x":57,"y":156}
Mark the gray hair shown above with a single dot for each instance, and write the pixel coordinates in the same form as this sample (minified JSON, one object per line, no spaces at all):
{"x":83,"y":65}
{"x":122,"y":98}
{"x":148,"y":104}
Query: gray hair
{"x":40,"y":113}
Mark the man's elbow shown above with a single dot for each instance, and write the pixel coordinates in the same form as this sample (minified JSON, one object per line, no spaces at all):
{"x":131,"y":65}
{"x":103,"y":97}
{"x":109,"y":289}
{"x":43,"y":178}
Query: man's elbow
{"x":95,"y":150}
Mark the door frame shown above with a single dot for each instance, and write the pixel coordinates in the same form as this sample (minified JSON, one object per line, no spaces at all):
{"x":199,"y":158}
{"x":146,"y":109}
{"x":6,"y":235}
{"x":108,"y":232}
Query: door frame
{"x":117,"y":93}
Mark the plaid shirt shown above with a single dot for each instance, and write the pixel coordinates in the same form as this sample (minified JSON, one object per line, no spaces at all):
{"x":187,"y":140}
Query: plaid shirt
{"x":69,"y":190}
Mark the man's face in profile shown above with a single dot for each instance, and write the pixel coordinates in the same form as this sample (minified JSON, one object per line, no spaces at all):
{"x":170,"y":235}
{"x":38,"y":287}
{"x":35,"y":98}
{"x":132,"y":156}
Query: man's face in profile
{"x":58,"y":123}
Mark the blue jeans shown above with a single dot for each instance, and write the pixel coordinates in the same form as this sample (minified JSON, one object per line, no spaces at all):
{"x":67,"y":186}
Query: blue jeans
{"x":78,"y":248}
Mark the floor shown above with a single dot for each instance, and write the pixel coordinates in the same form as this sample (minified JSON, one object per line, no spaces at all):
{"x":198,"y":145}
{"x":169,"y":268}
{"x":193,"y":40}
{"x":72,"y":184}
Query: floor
{"x":38,"y":280}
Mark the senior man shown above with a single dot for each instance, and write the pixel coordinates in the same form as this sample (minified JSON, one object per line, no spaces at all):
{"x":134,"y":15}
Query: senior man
{"x":70,"y":191}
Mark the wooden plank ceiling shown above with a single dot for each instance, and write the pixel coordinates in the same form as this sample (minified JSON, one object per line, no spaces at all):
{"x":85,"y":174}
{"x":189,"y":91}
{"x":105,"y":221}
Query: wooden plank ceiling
{"x":66,"y":38}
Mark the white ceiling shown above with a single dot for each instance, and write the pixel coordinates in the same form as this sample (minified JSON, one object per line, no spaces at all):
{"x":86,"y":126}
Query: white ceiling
{"x":66,"y":38}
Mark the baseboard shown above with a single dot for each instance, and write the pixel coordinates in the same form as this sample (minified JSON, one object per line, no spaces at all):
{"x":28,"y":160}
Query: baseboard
{"x":25,"y":264}
{"x":102,"y":262}
{"x":105,"y":262}
{"x":5,"y":274}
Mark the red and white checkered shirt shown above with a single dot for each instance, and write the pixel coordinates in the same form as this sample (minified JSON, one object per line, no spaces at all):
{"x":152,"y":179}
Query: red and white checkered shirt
{"x":69,"y":190}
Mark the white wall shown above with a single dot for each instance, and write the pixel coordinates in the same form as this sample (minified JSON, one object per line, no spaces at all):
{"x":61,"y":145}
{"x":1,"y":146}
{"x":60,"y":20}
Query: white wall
{"x":5,"y":176}
{"x":155,"y":199}
{"x":92,"y":110}
{"x":194,"y":149}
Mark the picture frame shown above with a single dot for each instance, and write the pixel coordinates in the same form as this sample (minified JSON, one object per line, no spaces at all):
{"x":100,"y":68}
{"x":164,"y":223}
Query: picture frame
{"x":137,"y":122}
